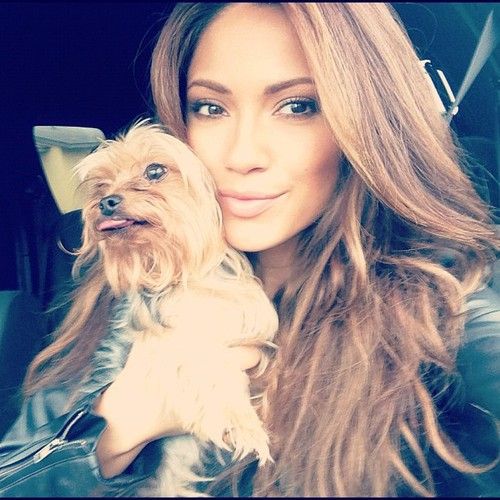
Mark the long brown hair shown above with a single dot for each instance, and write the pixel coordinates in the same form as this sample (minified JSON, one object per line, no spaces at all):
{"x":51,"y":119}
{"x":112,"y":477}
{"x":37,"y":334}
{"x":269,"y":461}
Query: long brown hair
{"x":376,"y":304}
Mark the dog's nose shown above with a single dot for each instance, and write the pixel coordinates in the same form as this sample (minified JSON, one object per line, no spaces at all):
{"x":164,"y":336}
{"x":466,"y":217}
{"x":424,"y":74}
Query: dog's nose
{"x":109,"y":204}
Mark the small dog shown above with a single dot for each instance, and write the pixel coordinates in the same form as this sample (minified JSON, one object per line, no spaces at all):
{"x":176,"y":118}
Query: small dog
{"x":153,"y":237}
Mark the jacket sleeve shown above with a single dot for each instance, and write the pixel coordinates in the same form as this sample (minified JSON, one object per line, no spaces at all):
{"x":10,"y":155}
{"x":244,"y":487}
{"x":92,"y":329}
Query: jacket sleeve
{"x":32,"y":465}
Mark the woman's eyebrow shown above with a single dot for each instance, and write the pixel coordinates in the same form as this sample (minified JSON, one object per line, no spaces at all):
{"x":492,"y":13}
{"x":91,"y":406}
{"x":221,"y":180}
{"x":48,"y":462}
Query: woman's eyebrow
{"x":209,"y":84}
{"x":278,"y":87}
{"x":270,"y":89}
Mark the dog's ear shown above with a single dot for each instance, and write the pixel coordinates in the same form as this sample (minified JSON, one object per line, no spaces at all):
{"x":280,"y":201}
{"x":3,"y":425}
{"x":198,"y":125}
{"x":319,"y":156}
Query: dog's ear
{"x":79,"y":171}
{"x":82,"y":168}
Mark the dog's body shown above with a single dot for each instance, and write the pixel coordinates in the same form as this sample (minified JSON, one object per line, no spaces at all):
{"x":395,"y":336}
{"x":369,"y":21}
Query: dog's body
{"x":153,"y":237}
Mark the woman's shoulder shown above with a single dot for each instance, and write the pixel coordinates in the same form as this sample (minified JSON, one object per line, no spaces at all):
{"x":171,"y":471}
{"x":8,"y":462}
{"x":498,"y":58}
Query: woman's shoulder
{"x":483,"y":314}
{"x":465,"y":410}
{"x":478,"y":359}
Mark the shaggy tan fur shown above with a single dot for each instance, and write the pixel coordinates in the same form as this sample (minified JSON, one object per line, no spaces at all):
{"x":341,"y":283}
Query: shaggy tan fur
{"x":158,"y":243}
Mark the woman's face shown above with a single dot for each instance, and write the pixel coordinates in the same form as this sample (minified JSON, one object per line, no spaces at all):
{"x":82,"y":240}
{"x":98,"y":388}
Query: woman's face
{"x":254,"y":120}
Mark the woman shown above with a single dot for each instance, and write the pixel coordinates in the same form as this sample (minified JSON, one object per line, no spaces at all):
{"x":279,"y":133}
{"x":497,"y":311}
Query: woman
{"x":343,"y":184}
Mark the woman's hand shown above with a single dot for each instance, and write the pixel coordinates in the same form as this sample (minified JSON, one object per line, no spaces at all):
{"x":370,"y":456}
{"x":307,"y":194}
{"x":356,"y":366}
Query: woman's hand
{"x":136,"y":409}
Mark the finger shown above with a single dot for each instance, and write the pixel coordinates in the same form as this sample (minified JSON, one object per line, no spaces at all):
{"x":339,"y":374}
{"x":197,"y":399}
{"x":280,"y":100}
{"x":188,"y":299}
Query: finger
{"x":248,"y":357}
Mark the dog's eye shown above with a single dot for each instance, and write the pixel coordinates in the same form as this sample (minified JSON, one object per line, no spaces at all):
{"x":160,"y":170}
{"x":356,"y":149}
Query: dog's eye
{"x":155,"y":171}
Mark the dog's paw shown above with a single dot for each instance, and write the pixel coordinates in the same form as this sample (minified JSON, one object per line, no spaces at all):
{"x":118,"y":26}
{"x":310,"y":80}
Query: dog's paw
{"x":215,"y":406}
{"x":238,"y":429}
{"x":248,"y":437}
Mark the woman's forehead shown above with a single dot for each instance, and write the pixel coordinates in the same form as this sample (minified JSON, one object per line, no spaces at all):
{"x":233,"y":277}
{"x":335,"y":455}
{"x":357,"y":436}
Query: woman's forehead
{"x":246,"y":40}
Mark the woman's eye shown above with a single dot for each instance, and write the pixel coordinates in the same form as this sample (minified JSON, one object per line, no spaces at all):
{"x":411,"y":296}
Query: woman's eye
{"x":299,"y":107}
{"x":155,"y":171}
{"x":207,"y":109}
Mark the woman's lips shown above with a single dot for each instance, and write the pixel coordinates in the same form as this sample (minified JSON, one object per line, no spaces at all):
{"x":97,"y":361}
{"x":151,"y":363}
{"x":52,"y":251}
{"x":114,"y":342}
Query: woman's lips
{"x":246,"y":205}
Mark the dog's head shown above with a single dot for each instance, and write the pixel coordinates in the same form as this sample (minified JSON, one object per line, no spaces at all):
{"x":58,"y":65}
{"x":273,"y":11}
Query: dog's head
{"x":150,"y":211}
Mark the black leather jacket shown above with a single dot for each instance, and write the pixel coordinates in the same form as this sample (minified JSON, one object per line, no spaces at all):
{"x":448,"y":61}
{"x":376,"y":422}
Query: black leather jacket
{"x":465,"y":411}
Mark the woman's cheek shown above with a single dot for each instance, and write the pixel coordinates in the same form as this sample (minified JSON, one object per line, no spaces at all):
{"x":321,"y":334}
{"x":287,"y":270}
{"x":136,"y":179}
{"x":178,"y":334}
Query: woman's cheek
{"x":208,"y":143}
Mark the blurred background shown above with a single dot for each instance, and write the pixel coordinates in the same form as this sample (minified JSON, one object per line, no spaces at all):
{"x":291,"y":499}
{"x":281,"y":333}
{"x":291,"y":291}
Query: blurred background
{"x":86,"y":64}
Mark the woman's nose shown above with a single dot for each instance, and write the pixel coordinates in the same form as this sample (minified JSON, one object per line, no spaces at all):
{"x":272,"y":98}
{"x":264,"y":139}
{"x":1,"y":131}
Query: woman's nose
{"x":247,"y":148}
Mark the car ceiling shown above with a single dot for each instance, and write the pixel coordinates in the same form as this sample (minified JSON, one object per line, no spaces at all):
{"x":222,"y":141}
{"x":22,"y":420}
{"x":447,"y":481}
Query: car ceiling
{"x":86,"y":64}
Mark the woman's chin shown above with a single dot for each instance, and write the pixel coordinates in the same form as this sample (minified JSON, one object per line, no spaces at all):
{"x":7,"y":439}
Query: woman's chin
{"x":246,"y":241}
{"x":245,"y":245}
{"x":259,"y":238}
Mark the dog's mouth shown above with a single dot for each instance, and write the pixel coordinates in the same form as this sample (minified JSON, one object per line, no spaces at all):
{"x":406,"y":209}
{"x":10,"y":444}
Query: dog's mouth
{"x":121,"y":224}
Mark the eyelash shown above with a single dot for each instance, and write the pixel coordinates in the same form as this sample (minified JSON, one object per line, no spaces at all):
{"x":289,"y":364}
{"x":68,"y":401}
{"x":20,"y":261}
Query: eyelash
{"x":311,"y":103}
{"x":195,"y":107}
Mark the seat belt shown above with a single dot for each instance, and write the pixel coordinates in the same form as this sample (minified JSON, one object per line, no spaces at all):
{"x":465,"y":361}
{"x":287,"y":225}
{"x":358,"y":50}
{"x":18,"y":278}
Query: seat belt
{"x":487,"y":43}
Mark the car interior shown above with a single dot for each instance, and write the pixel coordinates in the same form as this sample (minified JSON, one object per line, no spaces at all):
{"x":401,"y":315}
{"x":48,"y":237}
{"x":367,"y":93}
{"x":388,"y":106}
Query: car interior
{"x":75,"y":74}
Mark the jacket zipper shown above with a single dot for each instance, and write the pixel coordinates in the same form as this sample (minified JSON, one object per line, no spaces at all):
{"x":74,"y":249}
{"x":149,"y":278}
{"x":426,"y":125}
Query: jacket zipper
{"x":56,"y":443}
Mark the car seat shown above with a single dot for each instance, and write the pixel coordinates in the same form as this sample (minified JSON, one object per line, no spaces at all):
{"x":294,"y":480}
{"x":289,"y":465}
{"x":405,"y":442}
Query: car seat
{"x":27,"y":316}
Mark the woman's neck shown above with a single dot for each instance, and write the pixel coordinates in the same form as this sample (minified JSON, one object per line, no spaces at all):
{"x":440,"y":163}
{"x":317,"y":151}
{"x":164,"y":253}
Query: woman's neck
{"x":274,"y":266}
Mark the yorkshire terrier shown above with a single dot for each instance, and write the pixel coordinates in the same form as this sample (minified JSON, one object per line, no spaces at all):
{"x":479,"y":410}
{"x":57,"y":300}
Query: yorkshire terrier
{"x":153,"y":238}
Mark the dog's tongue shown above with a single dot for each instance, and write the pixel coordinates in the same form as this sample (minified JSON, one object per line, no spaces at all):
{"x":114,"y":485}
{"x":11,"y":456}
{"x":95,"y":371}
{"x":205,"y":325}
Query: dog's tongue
{"x":114,"y":224}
